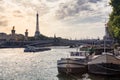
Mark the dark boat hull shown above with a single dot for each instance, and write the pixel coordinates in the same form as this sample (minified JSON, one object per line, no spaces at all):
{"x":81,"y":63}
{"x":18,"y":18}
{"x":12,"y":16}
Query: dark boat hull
{"x":107,"y":69}
{"x":72,"y":66}
{"x":79,"y":70}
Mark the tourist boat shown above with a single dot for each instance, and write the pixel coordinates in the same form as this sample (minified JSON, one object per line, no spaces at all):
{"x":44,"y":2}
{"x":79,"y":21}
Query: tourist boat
{"x":76,"y":64}
{"x":35,"y":49}
{"x":104,"y":64}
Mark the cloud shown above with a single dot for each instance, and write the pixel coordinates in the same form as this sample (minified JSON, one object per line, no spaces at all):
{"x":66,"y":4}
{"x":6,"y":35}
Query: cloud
{"x":17,"y":13}
{"x":3,"y":22}
{"x":52,"y":0}
{"x":1,"y":6}
{"x":76,"y":7}
{"x":84,"y":20}
{"x":2,"y":17}
{"x":94,"y":1}
{"x":30,"y":6}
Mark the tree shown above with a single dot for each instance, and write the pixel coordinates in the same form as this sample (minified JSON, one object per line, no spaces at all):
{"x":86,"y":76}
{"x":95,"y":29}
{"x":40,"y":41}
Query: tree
{"x":114,"y":21}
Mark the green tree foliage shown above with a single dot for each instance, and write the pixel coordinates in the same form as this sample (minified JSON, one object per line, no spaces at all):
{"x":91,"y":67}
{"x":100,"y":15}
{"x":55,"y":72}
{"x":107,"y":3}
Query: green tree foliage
{"x":114,"y":21}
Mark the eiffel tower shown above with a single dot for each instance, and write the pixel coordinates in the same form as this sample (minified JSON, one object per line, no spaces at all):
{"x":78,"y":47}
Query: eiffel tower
{"x":37,"y":32}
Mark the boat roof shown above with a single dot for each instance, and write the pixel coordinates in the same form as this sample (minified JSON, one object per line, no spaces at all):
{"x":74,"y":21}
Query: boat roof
{"x":105,"y":58}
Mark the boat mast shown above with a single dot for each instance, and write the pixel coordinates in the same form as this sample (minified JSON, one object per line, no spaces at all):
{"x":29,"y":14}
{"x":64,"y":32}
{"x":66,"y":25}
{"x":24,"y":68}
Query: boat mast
{"x":105,"y":38}
{"x":104,"y":46}
{"x":105,"y":28}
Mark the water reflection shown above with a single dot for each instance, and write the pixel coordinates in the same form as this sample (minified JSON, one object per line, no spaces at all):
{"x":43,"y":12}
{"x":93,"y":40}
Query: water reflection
{"x":86,"y":77}
{"x":98,"y":77}
{"x":73,"y":77}
{"x":17,"y":65}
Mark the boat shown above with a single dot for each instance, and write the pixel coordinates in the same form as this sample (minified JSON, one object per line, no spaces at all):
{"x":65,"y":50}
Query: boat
{"x":76,"y":64}
{"x":35,"y":49}
{"x":105,"y":64}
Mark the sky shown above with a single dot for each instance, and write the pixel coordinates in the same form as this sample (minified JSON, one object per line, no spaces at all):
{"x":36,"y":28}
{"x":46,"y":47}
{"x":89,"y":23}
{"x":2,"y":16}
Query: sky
{"x":75,"y":19}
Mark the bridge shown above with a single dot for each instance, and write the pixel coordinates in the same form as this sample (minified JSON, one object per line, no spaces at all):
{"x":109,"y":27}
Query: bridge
{"x":45,"y":43}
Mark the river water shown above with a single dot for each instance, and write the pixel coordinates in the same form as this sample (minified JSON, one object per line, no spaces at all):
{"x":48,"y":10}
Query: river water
{"x":15,"y":64}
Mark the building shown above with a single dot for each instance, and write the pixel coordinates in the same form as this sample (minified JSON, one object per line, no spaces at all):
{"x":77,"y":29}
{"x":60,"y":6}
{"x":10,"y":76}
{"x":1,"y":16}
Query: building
{"x":107,"y":38}
{"x":3,"y":37}
{"x":37,"y":32}
{"x":107,"y":35}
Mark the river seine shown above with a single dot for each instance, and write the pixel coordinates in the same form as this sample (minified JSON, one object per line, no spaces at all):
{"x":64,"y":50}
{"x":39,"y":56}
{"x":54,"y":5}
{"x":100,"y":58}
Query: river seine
{"x":15,"y":64}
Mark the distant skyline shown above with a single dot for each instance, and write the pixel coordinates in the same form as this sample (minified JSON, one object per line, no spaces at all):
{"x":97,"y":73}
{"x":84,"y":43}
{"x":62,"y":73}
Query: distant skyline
{"x":76,"y":19}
